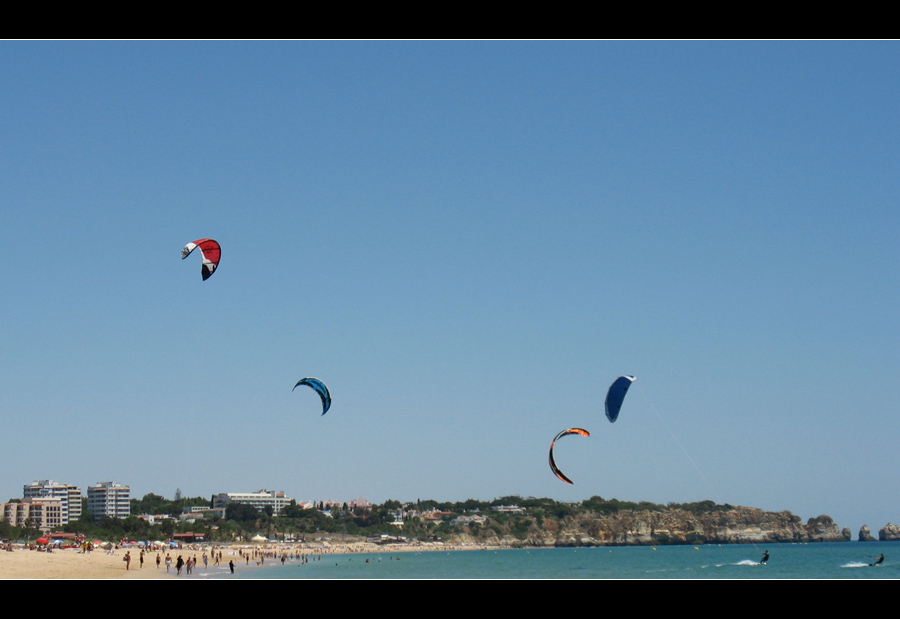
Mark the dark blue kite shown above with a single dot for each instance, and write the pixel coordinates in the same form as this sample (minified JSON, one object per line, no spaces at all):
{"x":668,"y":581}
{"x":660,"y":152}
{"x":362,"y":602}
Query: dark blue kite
{"x":616,"y":395}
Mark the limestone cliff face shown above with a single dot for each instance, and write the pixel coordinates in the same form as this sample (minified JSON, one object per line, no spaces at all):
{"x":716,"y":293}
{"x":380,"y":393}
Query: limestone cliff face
{"x":890,"y":533}
{"x":865,"y":535}
{"x":739,"y":525}
{"x":823,"y":529}
{"x":654,"y":528}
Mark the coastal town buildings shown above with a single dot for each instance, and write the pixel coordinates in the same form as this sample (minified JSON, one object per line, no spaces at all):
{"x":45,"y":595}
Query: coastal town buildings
{"x":508,"y":509}
{"x":470,"y":519}
{"x":359,"y":503}
{"x":40,"y":513}
{"x":353,"y":505}
{"x":110,"y":499}
{"x":50,"y":504}
{"x":259,"y":499}
{"x":197,"y":512}
{"x":69,"y":496}
{"x":47,"y":504}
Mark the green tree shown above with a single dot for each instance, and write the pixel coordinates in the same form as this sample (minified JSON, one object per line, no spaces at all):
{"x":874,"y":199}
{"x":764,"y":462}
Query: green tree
{"x":291,"y":510}
{"x":167,"y":527}
{"x":507,"y":500}
{"x":241,"y":512}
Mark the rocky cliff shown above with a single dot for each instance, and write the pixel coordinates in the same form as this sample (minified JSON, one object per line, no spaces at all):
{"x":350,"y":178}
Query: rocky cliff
{"x":652,"y":528}
{"x":890,"y":533}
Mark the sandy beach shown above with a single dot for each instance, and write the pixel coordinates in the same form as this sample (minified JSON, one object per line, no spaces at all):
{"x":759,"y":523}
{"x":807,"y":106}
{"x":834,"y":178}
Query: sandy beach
{"x":71,"y":563}
{"x":22,"y":563}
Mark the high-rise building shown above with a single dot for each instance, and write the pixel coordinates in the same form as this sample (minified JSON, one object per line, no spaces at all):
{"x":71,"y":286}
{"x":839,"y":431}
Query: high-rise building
{"x":109,"y":498}
{"x":69,"y":495}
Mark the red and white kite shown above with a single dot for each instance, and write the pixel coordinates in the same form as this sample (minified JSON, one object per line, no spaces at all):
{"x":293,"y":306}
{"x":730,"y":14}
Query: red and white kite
{"x":211,"y":254}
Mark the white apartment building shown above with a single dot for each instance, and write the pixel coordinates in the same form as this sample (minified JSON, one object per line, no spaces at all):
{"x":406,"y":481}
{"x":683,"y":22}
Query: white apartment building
{"x":259,"y":499}
{"x":69,"y":496}
{"x":109,"y":498}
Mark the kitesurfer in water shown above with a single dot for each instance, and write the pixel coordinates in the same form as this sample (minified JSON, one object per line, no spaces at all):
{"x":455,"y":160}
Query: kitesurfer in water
{"x":878,"y":561}
{"x":765,"y":557}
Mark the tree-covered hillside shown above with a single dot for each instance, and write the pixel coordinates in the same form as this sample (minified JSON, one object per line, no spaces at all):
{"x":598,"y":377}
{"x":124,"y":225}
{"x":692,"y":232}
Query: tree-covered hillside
{"x":510,"y":516}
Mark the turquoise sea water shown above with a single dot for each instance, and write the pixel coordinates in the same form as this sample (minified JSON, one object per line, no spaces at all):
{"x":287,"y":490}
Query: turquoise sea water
{"x":787,"y":561}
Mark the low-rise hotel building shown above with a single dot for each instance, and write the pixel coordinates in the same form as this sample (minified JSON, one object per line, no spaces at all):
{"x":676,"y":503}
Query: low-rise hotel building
{"x":259,"y":499}
{"x":42,"y":513}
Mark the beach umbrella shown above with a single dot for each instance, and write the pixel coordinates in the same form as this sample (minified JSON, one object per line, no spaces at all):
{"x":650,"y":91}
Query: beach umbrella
{"x":42,"y":540}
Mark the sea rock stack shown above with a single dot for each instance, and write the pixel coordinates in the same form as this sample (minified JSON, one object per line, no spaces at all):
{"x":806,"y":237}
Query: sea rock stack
{"x":890,"y":533}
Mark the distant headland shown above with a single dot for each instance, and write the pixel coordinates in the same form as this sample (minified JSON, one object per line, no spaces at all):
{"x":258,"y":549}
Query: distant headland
{"x":704,"y":523}
{"x":509,"y":521}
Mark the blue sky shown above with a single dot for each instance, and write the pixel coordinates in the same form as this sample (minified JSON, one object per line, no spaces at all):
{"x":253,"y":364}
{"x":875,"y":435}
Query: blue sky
{"x":468,"y":242}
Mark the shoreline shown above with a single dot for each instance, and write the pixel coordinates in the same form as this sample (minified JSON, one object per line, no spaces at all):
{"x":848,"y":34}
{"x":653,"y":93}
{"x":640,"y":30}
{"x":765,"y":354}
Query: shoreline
{"x":23,"y":563}
{"x":71,"y":564}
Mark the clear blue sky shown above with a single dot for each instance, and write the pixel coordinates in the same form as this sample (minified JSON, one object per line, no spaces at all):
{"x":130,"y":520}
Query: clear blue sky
{"x":467,"y":241}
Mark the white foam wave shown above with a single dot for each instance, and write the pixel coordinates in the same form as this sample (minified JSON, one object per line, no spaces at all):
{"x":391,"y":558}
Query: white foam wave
{"x":855,"y":564}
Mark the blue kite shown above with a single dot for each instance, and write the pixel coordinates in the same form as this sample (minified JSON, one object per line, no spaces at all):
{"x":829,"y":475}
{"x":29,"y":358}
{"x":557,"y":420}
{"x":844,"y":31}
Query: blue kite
{"x":616,"y":395}
{"x":320,"y":388}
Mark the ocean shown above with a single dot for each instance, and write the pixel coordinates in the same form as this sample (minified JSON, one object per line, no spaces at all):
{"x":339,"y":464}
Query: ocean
{"x":731,"y":561}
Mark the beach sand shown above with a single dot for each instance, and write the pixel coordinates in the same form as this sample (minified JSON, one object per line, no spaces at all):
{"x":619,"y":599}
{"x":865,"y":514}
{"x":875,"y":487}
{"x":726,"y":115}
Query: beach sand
{"x":71,"y":563}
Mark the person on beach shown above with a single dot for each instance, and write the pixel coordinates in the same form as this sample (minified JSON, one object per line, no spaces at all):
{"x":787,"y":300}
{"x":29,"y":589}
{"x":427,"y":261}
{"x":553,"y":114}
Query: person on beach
{"x":127,"y":559}
{"x":764,"y":558}
{"x":231,"y":565}
{"x":878,"y":561}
